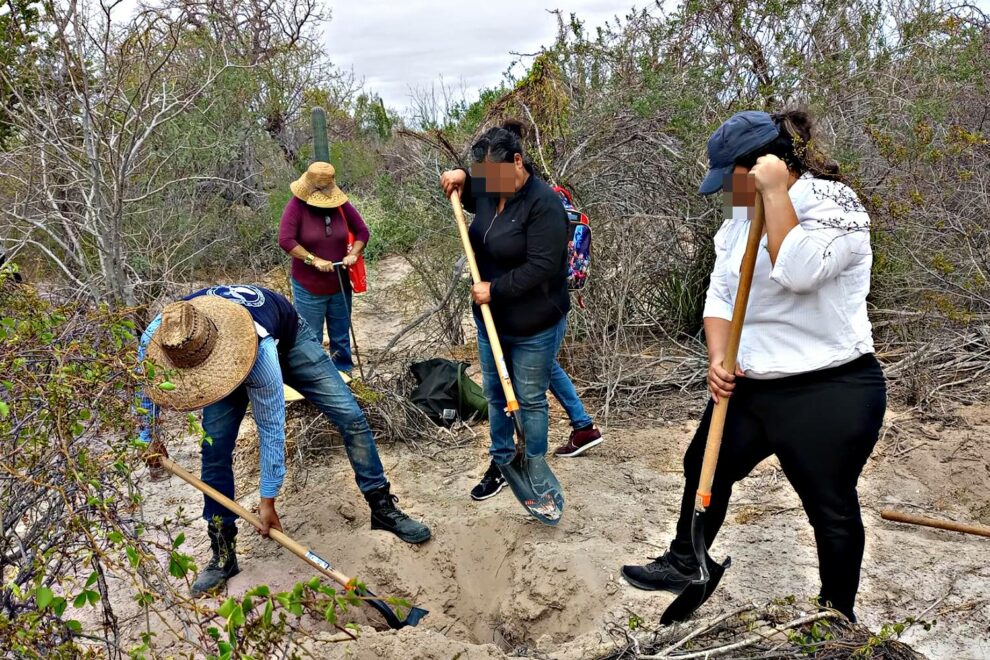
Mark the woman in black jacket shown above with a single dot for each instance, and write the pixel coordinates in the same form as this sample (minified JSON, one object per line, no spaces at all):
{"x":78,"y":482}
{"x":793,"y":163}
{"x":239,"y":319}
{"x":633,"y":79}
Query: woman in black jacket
{"x":519,"y":236}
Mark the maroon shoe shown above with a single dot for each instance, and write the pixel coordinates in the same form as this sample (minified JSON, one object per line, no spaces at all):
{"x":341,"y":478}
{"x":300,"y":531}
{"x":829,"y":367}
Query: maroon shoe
{"x":580,"y":442}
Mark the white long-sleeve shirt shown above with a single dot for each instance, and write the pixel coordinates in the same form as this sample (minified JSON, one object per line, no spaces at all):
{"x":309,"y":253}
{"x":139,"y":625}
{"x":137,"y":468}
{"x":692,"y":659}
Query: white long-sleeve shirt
{"x":808,"y":311}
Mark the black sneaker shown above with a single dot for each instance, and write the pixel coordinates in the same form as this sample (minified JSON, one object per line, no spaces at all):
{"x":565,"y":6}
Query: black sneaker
{"x":387,"y":516}
{"x":658,"y":574}
{"x":490,"y":484}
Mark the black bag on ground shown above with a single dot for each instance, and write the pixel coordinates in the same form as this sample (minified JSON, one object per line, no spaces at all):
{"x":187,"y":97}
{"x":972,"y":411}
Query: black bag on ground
{"x":445,"y":393}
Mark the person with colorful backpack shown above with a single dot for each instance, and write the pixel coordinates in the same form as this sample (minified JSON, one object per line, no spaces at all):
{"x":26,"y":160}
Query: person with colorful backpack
{"x":585,"y":434}
{"x":322,"y":231}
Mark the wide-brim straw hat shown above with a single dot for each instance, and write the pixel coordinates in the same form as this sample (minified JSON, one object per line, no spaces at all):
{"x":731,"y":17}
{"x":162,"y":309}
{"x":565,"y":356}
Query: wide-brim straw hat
{"x":318,"y":187}
{"x":204,"y":347}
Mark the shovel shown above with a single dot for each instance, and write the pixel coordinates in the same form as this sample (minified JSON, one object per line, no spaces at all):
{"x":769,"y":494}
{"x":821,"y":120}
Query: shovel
{"x":414,"y":615}
{"x":530,"y":478}
{"x":709,"y":571}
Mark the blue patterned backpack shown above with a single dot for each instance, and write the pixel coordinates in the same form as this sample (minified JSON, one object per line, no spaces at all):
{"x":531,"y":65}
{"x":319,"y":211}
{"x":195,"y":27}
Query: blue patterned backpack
{"x":579,"y":243}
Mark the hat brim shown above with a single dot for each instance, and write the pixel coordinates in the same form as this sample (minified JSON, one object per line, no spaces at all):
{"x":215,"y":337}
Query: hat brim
{"x":227,"y":366}
{"x":318,"y":198}
{"x":714,"y":179}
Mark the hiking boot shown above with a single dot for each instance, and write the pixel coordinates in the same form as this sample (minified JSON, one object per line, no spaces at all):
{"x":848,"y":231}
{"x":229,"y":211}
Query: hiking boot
{"x":659,"y":574}
{"x":223,"y":565}
{"x":385,"y":515}
{"x":490,"y":484}
{"x":581,"y":440}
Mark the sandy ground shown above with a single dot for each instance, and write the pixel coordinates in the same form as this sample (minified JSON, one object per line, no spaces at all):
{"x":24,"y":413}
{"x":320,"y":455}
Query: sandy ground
{"x":499,"y":584}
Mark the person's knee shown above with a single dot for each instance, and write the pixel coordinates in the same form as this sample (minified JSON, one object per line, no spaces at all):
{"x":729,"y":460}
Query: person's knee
{"x":352,"y":421}
{"x":838,"y":518}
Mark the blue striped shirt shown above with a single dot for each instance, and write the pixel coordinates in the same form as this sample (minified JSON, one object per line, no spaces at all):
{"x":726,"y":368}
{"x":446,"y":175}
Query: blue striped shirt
{"x":264,"y":390}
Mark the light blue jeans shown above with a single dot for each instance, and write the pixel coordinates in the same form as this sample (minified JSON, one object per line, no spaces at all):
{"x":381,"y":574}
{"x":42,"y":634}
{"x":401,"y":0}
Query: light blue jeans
{"x":563,"y":390}
{"x":529,"y":361}
{"x":334,"y":310}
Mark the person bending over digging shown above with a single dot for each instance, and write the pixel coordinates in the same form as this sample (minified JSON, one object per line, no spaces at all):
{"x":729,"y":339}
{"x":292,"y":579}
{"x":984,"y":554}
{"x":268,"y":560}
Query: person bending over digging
{"x":519,"y":236}
{"x":808,"y":388}
{"x":230,"y":345}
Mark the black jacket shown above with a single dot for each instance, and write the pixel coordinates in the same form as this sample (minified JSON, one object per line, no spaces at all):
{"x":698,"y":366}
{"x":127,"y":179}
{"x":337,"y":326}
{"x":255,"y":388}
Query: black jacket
{"x":523,"y":253}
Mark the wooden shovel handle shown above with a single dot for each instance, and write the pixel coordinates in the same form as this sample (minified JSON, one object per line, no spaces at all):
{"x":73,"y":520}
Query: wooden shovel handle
{"x":311,"y":558}
{"x":714,"y":442}
{"x":486,"y":313}
{"x":911,"y":519}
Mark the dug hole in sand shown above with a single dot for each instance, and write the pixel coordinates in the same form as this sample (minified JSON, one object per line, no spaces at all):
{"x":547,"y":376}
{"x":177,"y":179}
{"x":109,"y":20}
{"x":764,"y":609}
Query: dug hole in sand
{"x":498,"y":584}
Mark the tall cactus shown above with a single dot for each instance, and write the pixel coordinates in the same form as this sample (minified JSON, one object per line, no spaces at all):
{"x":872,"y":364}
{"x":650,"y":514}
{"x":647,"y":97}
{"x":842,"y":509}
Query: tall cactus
{"x":321,"y":144}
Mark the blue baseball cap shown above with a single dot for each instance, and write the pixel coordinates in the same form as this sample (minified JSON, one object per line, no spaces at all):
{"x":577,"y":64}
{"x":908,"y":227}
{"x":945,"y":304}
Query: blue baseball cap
{"x":742,"y":133}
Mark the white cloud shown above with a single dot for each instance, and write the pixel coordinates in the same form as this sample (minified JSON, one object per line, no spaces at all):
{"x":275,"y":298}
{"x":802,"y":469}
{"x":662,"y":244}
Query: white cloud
{"x":396,"y":47}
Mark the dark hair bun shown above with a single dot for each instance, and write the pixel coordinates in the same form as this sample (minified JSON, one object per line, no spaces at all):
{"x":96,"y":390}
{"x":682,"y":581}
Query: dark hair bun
{"x":515,"y":127}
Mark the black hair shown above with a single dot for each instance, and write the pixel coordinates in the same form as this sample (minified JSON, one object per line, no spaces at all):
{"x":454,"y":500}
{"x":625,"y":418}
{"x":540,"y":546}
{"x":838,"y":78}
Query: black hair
{"x":500,"y":144}
{"x":796,"y":145}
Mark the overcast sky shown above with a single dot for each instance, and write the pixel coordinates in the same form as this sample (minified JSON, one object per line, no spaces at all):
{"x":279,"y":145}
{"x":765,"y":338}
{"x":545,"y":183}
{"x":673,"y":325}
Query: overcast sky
{"x":398,"y":45}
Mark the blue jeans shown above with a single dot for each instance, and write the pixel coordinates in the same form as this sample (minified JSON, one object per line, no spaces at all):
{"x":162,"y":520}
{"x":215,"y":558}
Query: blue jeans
{"x":334,"y":309}
{"x":529,"y":361}
{"x":308,"y":370}
{"x":563,"y":390}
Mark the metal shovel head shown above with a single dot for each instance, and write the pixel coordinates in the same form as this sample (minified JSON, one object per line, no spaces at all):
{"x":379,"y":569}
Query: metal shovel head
{"x":414,"y":616}
{"x":704,"y":583}
{"x":536,"y":487}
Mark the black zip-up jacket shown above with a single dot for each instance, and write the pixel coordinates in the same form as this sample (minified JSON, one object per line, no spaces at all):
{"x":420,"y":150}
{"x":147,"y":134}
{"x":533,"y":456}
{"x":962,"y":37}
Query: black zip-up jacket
{"x":523,"y":253}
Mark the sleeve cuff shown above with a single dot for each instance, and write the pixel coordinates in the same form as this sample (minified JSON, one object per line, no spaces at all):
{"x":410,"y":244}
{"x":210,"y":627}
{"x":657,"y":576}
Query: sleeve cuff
{"x":719,"y":309}
{"x":795,"y":237}
{"x":270,"y":491}
{"x":493,"y":286}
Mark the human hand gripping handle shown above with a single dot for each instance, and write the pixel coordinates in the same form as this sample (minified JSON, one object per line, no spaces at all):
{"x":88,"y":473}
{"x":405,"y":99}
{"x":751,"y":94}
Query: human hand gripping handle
{"x":153,"y":455}
{"x":452,"y":181}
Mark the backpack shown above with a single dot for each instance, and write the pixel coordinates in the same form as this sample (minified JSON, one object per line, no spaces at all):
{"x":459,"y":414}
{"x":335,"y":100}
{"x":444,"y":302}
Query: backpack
{"x":445,"y":393}
{"x":578,"y":244}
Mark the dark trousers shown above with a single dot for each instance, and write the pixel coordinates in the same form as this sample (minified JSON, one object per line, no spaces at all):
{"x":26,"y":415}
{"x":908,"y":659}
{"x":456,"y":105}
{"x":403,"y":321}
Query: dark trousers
{"x":822,"y":426}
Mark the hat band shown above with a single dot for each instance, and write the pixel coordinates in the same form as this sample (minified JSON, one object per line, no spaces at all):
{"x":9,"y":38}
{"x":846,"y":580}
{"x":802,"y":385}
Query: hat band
{"x":196,"y":349}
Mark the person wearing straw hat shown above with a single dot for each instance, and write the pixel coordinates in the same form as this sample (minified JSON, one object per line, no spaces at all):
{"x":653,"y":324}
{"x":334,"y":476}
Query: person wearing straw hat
{"x":319,"y":228}
{"x":219,"y":349}
{"x":807,"y":387}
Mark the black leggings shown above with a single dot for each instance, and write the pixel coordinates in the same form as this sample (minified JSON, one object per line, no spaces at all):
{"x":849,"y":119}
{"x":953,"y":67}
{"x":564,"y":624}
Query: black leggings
{"x":822,"y":426}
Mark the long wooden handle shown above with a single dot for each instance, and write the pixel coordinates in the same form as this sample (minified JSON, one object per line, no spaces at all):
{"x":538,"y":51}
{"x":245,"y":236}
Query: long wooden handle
{"x":714,"y":442}
{"x":911,"y":519}
{"x":503,"y":372}
{"x":308,"y":556}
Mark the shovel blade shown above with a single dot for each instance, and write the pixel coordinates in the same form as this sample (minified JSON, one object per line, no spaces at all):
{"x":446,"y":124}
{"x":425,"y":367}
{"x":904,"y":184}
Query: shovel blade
{"x":695,"y":595}
{"x":536,"y":487}
{"x":413,"y":617}
{"x":704,"y":584}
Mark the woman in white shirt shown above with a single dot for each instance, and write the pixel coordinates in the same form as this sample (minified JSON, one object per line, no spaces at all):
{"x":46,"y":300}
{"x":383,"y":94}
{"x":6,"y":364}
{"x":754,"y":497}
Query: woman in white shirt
{"x":807,"y":388}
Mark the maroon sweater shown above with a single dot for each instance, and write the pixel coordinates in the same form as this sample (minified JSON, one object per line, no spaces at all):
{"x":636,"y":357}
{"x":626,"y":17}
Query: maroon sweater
{"x":304,"y":225}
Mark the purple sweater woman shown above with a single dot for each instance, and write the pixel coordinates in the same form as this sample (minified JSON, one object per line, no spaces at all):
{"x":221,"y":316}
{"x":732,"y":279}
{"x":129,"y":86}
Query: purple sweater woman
{"x":314,"y":231}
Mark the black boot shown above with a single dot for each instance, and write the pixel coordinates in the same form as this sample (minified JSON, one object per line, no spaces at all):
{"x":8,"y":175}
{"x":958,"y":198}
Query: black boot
{"x":223,"y":565}
{"x":385,"y":515}
{"x":661,"y":573}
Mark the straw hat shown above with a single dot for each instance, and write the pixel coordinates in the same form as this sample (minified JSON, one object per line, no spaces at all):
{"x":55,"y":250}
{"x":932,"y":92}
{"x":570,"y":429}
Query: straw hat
{"x":318,"y":187}
{"x":208,"y":345}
